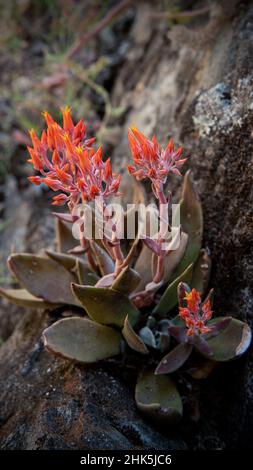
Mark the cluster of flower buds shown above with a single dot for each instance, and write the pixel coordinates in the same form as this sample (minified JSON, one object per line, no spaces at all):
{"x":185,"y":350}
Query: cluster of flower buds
{"x":196,"y":314}
{"x":68,"y":163}
{"x":153,"y":162}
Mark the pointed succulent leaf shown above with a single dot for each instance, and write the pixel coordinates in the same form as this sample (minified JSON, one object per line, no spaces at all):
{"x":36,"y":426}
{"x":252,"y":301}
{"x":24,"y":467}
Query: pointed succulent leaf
{"x":84,"y":274}
{"x":148,"y":337}
{"x":132,"y":339}
{"x":202,"y":346}
{"x":152,"y":245}
{"x":174,"y":359}
{"x":23,"y":298}
{"x":105,"y":281}
{"x":231,"y":342}
{"x":106,"y":306}
{"x":218,"y":325}
{"x":131,"y":253}
{"x":77,"y":250}
{"x":169,"y":297}
{"x":126,"y":281}
{"x":65,"y":217}
{"x":67,"y":261}
{"x":43,"y":278}
{"x":82,"y":340}
{"x":179,"y":333}
{"x":201,"y":272}
{"x":191,"y":219}
{"x":64,"y":237}
{"x":104,"y":261}
{"x":158,"y":398}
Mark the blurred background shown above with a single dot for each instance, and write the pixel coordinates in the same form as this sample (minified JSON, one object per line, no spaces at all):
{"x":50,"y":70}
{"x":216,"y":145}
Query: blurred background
{"x":56,"y":53}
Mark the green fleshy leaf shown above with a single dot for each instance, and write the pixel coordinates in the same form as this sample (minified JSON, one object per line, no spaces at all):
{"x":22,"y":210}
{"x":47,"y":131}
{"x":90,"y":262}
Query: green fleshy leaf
{"x":174,"y":359}
{"x":132,"y":339}
{"x":131,"y":253}
{"x":43,"y":278}
{"x":201,"y":272}
{"x":218,"y":325}
{"x":82,"y":340}
{"x":64,"y":238}
{"x":84,"y":274}
{"x":67,"y":261}
{"x":126,"y":281}
{"x":158,"y":398}
{"x":231,"y":342}
{"x":201,"y":344}
{"x":106,"y":306}
{"x":169,"y":298}
{"x":104,"y":261}
{"x":191,"y":218}
{"x":23,"y":298}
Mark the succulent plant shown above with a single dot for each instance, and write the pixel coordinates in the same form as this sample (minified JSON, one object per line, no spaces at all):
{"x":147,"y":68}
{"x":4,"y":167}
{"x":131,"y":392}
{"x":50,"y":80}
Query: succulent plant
{"x":126,"y":291}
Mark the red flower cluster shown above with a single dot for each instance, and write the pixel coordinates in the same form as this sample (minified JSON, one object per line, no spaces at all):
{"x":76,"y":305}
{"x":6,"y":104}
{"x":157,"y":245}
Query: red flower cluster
{"x":151,"y":161}
{"x":195,"y":315}
{"x":68,"y":163}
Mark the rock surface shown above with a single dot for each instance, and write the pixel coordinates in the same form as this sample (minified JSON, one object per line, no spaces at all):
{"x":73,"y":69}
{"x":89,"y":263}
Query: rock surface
{"x":202,"y":94}
{"x":48,"y":403}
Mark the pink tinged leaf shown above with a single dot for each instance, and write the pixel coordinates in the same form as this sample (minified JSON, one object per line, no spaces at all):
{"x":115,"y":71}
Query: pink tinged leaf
{"x":201,"y":345}
{"x":65,"y":217}
{"x":176,"y":171}
{"x":105,"y":281}
{"x":77,"y":250}
{"x":174,"y":359}
{"x":180,"y":163}
{"x":179,"y":333}
{"x":218,"y":326}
